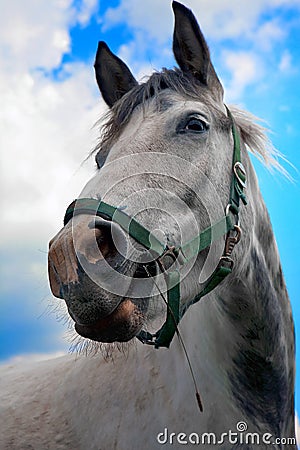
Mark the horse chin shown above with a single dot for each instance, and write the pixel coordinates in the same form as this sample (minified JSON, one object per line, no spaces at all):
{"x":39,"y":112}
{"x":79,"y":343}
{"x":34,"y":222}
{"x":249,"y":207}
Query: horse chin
{"x":121,"y":325}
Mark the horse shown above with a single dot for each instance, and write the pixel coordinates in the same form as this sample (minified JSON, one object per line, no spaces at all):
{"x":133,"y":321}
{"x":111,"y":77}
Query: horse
{"x":170,"y":272}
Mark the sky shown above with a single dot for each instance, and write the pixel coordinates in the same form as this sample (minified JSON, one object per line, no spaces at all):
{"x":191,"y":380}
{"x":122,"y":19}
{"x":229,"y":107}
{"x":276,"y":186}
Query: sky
{"x":50,"y":104}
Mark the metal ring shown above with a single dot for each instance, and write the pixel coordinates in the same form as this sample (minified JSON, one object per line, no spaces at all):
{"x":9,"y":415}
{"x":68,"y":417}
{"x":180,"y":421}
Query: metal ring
{"x":238,"y":231}
{"x":238,"y":166}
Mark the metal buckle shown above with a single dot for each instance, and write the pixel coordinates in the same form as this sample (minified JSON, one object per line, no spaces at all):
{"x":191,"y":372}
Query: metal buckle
{"x":168,"y":253}
{"x":172,"y":253}
{"x":238,"y":167}
{"x":146,"y":338}
{"x":231,"y":241}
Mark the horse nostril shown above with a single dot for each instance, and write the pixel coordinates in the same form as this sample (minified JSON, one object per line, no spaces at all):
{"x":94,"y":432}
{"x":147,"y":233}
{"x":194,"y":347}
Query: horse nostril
{"x":110,"y":239}
{"x":104,"y":239}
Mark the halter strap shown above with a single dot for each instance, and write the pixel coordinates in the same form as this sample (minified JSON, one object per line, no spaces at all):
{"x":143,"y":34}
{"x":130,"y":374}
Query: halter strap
{"x":224,"y":227}
{"x":117,"y":215}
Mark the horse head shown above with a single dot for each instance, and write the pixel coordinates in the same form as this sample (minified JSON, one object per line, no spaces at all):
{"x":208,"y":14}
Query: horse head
{"x":165,"y":166}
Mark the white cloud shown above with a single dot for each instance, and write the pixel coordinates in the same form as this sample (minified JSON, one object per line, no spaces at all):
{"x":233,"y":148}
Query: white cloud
{"x":86,"y":10}
{"x":140,"y":67}
{"x":34,"y":33}
{"x":246,"y":68}
{"x":30,"y":358}
{"x":285,"y":64}
{"x":269,"y":33}
{"x":136,"y":14}
{"x":45,"y":129}
{"x":219,"y":19}
{"x":45,"y":125}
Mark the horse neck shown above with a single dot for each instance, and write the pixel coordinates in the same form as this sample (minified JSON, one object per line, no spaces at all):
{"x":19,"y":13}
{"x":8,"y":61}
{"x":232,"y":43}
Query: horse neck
{"x":259,"y":306}
{"x":253,"y":310}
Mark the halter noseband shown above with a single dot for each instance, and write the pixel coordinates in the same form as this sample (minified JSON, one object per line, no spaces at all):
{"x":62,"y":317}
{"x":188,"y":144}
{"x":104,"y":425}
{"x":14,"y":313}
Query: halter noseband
{"x":182,"y":254}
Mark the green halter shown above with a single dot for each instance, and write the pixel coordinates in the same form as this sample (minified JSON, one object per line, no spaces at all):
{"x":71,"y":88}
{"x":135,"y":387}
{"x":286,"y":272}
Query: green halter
{"x":183,"y":254}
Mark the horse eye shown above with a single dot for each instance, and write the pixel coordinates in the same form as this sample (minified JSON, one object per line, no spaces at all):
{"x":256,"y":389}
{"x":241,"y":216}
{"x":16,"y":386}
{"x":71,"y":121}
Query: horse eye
{"x":196,"y":125}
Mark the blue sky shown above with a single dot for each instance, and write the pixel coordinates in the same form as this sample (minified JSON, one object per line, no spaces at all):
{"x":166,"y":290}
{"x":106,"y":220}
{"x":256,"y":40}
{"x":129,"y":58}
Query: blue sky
{"x":50,"y":103}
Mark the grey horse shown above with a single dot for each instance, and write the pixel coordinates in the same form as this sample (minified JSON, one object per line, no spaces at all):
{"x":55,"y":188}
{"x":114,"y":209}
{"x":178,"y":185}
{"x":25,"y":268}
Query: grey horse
{"x":173,"y":170}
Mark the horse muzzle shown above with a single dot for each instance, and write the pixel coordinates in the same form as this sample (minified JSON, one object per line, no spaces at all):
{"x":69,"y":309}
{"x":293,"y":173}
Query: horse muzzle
{"x":86,"y":262}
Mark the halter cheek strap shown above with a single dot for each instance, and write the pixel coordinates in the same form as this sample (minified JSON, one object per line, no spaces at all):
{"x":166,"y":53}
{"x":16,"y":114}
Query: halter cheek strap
{"x":228,"y":225}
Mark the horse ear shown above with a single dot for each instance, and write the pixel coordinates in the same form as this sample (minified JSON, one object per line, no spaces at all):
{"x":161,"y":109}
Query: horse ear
{"x":191,"y":50}
{"x":113,"y":76}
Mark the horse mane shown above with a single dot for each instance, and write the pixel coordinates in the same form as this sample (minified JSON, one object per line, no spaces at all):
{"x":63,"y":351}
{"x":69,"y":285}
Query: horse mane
{"x":256,"y":140}
{"x":253,"y":134}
